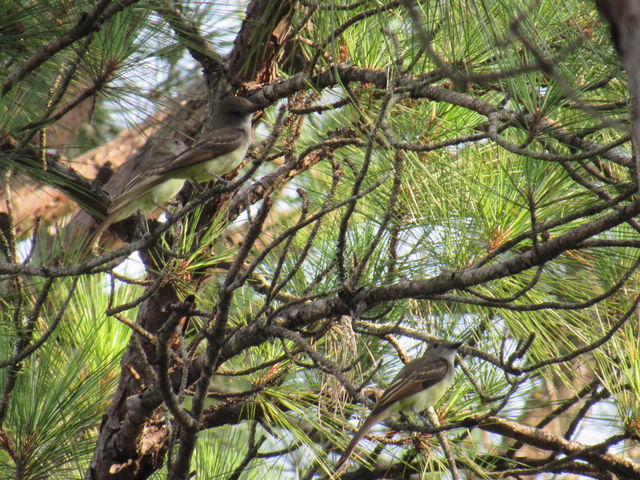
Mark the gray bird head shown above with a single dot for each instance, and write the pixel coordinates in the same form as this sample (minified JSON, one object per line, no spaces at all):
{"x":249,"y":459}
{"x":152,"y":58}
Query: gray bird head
{"x":444,"y":349}
{"x":231,"y":111}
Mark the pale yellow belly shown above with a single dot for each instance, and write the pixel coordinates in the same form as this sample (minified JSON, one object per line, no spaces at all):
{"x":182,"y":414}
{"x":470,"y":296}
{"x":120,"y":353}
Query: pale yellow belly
{"x":220,"y":165}
{"x":158,"y":195}
{"x":422,"y":400}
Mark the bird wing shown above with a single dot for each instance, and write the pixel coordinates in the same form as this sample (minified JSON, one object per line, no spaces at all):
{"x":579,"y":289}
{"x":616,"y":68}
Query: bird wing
{"x":138,"y":186}
{"x":216,"y":144}
{"x":413,"y":378}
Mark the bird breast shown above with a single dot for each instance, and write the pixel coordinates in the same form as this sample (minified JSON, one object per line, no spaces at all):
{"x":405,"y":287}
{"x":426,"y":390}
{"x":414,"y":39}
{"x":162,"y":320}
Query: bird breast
{"x":221,"y":165}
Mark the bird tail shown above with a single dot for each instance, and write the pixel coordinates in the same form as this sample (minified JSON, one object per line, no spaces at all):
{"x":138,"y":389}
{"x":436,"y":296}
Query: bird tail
{"x":95,"y":236}
{"x":362,"y":431}
{"x":133,"y":190}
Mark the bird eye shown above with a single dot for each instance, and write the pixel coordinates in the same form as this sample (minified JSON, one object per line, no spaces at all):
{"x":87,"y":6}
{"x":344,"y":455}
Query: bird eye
{"x":436,"y":345}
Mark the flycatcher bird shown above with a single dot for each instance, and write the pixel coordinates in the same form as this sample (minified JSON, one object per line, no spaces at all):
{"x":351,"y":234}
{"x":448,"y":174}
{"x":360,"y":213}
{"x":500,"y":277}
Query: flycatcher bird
{"x":416,"y":387}
{"x":222,"y":148}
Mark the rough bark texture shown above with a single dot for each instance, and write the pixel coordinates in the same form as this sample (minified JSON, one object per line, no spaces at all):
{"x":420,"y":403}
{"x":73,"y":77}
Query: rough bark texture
{"x":133,"y":436}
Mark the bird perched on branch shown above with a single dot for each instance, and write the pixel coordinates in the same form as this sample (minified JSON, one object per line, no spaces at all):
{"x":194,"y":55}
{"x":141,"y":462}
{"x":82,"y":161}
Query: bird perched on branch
{"x":222,"y":147}
{"x":416,"y":387}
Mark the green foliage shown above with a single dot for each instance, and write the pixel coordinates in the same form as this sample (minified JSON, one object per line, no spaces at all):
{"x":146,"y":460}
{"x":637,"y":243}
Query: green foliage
{"x":63,"y":388}
{"x":429,"y":214}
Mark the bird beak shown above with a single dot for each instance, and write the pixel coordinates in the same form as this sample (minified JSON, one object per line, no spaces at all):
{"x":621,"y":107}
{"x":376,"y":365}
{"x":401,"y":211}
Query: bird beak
{"x":456,"y":345}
